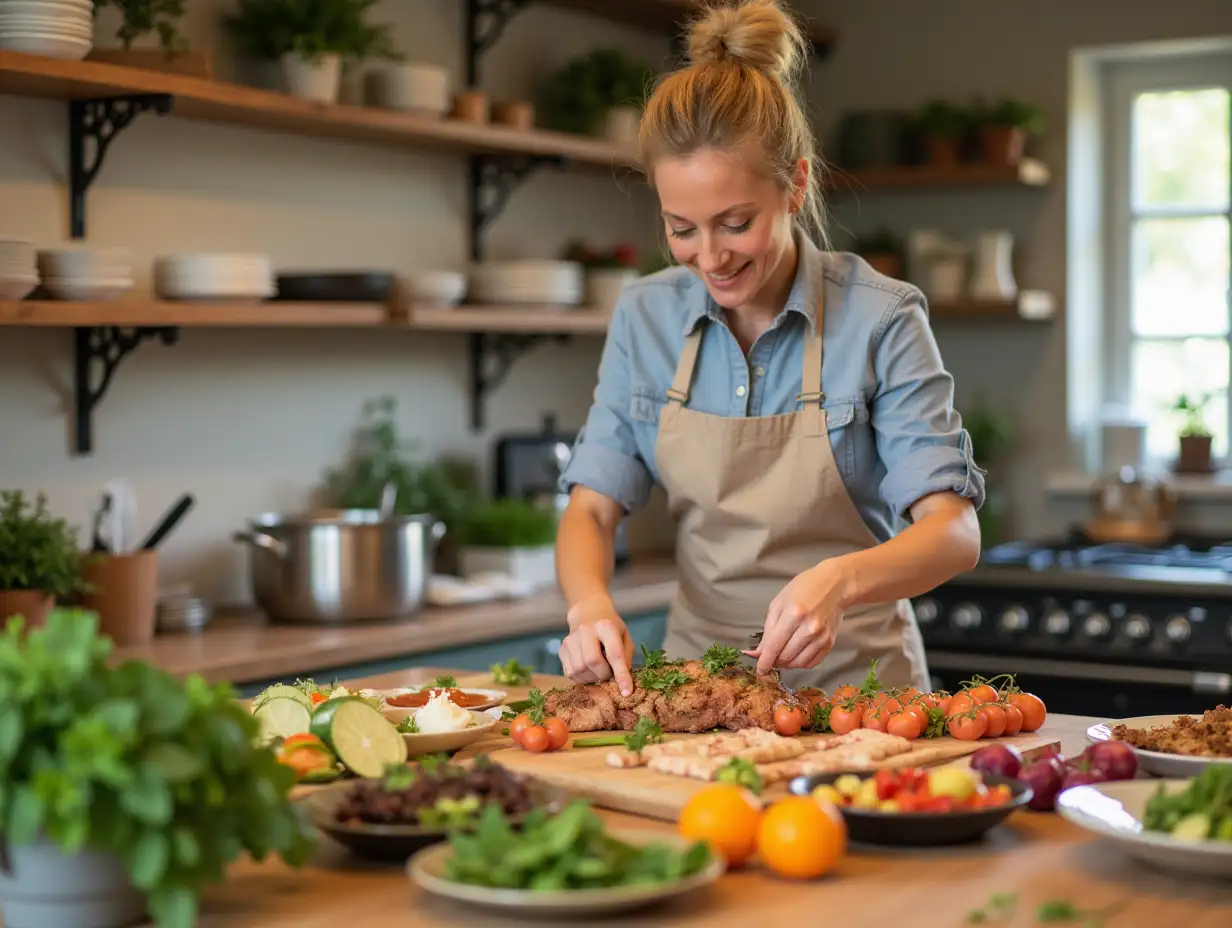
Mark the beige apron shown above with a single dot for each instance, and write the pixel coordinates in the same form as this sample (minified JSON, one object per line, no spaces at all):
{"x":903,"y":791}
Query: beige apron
{"x":759,"y":500}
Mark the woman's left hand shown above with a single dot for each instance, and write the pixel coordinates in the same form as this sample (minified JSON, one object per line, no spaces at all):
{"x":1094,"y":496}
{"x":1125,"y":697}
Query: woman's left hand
{"x":802,"y":621}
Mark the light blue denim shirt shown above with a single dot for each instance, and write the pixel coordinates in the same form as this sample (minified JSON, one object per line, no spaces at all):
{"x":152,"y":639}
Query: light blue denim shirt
{"x":889,"y":399}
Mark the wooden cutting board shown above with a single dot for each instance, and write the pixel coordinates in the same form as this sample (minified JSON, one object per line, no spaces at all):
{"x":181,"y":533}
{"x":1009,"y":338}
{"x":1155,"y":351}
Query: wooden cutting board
{"x":584,"y":771}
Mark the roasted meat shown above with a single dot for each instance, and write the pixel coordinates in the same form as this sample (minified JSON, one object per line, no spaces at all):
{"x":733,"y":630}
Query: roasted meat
{"x":1208,"y":736}
{"x":680,"y":697}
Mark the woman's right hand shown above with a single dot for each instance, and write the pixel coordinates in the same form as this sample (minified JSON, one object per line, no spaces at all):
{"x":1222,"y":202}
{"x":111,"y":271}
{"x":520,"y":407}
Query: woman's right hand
{"x":598,"y":646}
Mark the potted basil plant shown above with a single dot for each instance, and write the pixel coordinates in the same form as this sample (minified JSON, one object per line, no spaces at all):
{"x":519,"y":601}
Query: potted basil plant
{"x":124,"y":791}
{"x":39,"y":559}
{"x":598,"y":94}
{"x":512,"y":537}
{"x":1195,"y":436}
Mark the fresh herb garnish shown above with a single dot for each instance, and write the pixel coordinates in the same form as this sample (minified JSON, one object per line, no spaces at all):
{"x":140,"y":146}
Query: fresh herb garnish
{"x":652,"y":660}
{"x":718,"y":658}
{"x":871,"y":684}
{"x":646,"y":731}
{"x":511,"y":673}
{"x":407,"y":726}
{"x":399,"y":777}
{"x":999,"y":905}
{"x":742,"y":773}
{"x":665,"y":679}
{"x":820,"y":720}
{"x":446,"y":682}
{"x":536,"y":707}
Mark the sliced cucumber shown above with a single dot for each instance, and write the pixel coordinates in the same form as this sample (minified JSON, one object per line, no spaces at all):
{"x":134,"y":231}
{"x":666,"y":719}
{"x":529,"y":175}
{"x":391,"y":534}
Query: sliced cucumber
{"x":282,"y":691}
{"x":282,"y":717}
{"x":359,"y":735}
{"x":1193,"y":827}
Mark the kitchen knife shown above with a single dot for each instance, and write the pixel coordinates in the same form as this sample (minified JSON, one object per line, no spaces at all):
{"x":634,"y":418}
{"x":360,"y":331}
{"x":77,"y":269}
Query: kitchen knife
{"x":169,"y":521}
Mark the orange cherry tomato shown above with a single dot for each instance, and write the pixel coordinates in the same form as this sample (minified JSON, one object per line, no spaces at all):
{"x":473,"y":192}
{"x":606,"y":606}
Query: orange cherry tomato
{"x":960,"y":703}
{"x":535,"y":739}
{"x":994,"y":715}
{"x":982,"y":694}
{"x":558,"y":733}
{"x":845,"y":720}
{"x":1013,"y":718}
{"x":1032,"y":709}
{"x":517,"y":726}
{"x":918,"y":711}
{"x":905,"y":725}
{"x":788,"y":720}
{"x":846,"y":691}
{"x":968,"y":727}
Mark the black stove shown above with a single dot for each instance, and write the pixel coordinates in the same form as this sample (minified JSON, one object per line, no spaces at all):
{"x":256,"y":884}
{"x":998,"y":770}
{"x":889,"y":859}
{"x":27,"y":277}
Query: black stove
{"x":1111,"y":630}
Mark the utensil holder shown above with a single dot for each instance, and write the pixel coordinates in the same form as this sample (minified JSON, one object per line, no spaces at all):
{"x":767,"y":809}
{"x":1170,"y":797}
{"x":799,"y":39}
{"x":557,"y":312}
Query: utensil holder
{"x":125,"y":595}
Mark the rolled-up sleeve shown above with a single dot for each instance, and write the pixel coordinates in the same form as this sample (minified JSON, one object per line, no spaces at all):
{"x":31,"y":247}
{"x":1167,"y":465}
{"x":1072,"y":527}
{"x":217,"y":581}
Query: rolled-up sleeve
{"x":605,"y":457}
{"x":920,"y":437}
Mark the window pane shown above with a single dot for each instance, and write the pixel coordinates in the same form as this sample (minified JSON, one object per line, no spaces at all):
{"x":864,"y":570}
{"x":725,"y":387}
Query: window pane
{"x":1181,"y":149}
{"x":1162,"y":371}
{"x":1180,"y":276}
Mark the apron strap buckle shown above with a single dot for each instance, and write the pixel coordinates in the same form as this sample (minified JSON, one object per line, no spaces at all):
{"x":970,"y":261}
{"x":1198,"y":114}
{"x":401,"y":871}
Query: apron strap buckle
{"x":677,"y":396}
{"x":819,"y":398}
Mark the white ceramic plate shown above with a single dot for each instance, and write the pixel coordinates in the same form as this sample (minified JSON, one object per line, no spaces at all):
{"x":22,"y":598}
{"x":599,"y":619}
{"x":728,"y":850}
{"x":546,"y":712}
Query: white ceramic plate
{"x":1157,"y":763}
{"x":492,"y":699}
{"x":1114,"y":811}
{"x":481,"y":726}
{"x":427,"y":868}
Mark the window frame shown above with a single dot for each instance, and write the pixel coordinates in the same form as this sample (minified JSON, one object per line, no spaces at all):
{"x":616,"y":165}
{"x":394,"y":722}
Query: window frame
{"x":1124,"y":81}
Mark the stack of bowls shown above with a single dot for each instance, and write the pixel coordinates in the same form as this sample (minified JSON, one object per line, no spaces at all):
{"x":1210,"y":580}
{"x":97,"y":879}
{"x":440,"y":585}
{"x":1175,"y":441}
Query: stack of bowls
{"x":18,"y":272}
{"x":216,"y":277}
{"x":55,"y":28}
{"x":85,"y":274}
{"x":559,"y":283}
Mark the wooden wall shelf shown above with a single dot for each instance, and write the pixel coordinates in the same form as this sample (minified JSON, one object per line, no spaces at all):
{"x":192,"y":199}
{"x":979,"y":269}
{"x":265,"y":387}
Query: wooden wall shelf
{"x":512,"y":320}
{"x":1030,"y":172}
{"x":1029,"y":306}
{"x":232,"y":104}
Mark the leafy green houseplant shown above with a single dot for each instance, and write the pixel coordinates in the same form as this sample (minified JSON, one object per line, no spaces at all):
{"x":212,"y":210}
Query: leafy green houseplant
{"x":310,"y":39}
{"x":509,"y":536}
{"x":124,"y":762}
{"x":1195,"y":436}
{"x":146,"y":17}
{"x":1004,"y":129}
{"x":39,"y":558}
{"x":944,"y":129}
{"x":583,"y":95}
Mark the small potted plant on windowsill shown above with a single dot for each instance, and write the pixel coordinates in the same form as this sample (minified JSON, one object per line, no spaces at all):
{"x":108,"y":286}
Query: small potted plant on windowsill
{"x":512,"y":537}
{"x":599,"y":94}
{"x":310,"y":40}
{"x":943,"y":129}
{"x":1004,"y":130}
{"x":1195,"y":437}
{"x":123,"y":789}
{"x":158,"y":19}
{"x":39,"y":558}
{"x":607,"y":272}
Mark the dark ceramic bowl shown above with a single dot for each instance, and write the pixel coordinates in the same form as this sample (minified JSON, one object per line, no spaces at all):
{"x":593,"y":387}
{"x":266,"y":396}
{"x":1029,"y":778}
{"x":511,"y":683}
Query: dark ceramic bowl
{"x":392,"y":843}
{"x":921,"y":829}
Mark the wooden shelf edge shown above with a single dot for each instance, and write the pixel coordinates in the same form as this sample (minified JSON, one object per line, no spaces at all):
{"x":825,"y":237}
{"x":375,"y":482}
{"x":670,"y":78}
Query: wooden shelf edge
{"x":513,"y":319}
{"x":234,"y":104}
{"x":1028,"y":306}
{"x":1030,"y":172}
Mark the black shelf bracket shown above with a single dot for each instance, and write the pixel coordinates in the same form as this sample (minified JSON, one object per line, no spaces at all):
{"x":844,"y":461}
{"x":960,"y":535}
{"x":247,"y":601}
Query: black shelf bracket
{"x":492,"y":357}
{"x":98,"y":350}
{"x":485,"y":22}
{"x":92,"y":126}
{"x":493,"y":180}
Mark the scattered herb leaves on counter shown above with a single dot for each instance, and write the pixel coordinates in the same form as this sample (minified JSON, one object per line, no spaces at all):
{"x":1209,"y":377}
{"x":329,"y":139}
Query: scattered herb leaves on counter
{"x":665,"y":679}
{"x":646,"y":731}
{"x":568,"y":850}
{"x":446,"y":681}
{"x":1062,"y":911}
{"x":718,"y":658}
{"x":744,"y":773}
{"x":999,"y":906}
{"x":511,"y":673}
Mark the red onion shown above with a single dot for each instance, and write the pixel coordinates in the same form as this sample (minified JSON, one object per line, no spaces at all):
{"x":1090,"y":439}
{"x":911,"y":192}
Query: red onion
{"x":1116,"y":760}
{"x":997,"y":759}
{"x":1044,"y":776}
{"x":1081,"y":778}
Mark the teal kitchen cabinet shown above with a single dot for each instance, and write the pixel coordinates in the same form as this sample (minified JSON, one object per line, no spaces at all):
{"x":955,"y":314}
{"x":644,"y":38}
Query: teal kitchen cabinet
{"x":538,"y":651}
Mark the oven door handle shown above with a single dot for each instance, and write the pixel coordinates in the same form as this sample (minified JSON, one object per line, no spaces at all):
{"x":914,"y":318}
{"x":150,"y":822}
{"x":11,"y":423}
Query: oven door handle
{"x":1204,"y":682}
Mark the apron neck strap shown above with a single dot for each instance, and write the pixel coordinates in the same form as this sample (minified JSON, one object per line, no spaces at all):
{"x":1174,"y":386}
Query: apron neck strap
{"x":810,"y":377}
{"x":683,"y":381}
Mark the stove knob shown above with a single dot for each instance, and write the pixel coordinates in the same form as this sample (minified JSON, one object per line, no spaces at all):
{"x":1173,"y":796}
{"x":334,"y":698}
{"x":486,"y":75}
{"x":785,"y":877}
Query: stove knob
{"x":1137,"y":628}
{"x":926,"y":611}
{"x":1056,"y":623}
{"x":966,"y":616}
{"x":1097,"y":625}
{"x":1178,"y":629}
{"x":1015,"y":619}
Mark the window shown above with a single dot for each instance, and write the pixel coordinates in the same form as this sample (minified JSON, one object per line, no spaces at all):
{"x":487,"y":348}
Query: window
{"x":1169,"y":257}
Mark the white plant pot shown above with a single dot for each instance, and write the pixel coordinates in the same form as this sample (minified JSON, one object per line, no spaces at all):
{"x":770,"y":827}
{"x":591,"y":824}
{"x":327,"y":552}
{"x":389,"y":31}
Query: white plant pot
{"x":603,"y":286}
{"x":620,"y":125}
{"x":319,"y":81}
{"x":535,"y":566}
{"x":992,"y":277}
{"x":50,"y":889}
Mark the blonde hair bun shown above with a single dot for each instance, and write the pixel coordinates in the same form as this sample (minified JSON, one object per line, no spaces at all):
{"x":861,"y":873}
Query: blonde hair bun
{"x":759,"y":34}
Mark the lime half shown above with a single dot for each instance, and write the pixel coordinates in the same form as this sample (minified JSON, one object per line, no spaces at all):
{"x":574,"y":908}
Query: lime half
{"x":363,"y":739}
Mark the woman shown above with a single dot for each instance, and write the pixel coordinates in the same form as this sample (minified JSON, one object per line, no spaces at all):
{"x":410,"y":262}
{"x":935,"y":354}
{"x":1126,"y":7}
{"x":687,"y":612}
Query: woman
{"x":791,"y":401}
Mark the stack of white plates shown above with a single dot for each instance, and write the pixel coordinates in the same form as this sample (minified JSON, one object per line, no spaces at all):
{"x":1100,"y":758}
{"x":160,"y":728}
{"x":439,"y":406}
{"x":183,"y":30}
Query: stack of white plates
{"x":55,"y":28}
{"x":214,"y":277}
{"x":548,"y":282}
{"x":18,"y":273}
{"x":85,"y":274}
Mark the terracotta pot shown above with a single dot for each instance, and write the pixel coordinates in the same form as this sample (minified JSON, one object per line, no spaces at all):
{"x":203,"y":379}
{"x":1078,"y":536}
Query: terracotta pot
{"x":943,"y":152}
{"x":886,"y":263}
{"x":1195,"y":456}
{"x":1002,"y":145}
{"x":471,"y":106}
{"x":33,"y":604}
{"x":518,"y":114}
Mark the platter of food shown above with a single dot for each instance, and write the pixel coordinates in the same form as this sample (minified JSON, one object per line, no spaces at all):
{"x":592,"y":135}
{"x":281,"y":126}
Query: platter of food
{"x":1173,"y":745}
{"x":410,"y":807}
{"x":1180,"y":825}
{"x":400,"y":699}
{"x":566,"y":865}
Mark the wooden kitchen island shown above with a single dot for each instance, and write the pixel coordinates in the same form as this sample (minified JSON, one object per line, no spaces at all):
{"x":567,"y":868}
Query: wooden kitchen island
{"x":1037,"y":856}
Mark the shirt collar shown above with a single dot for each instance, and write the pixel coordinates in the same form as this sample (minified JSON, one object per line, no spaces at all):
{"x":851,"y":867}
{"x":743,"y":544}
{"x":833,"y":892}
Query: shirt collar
{"x":801,"y":299}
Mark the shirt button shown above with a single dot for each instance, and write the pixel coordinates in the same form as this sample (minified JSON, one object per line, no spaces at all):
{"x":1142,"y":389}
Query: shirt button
{"x":740,"y":391}
{"x":760,"y":371}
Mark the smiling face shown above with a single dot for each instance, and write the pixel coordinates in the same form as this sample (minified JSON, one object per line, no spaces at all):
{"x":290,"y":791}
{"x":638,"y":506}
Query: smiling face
{"x":730,"y":224}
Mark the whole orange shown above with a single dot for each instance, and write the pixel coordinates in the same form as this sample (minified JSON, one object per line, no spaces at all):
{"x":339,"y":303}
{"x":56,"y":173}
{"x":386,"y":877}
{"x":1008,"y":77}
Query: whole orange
{"x":725,"y":816}
{"x":801,"y":837}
